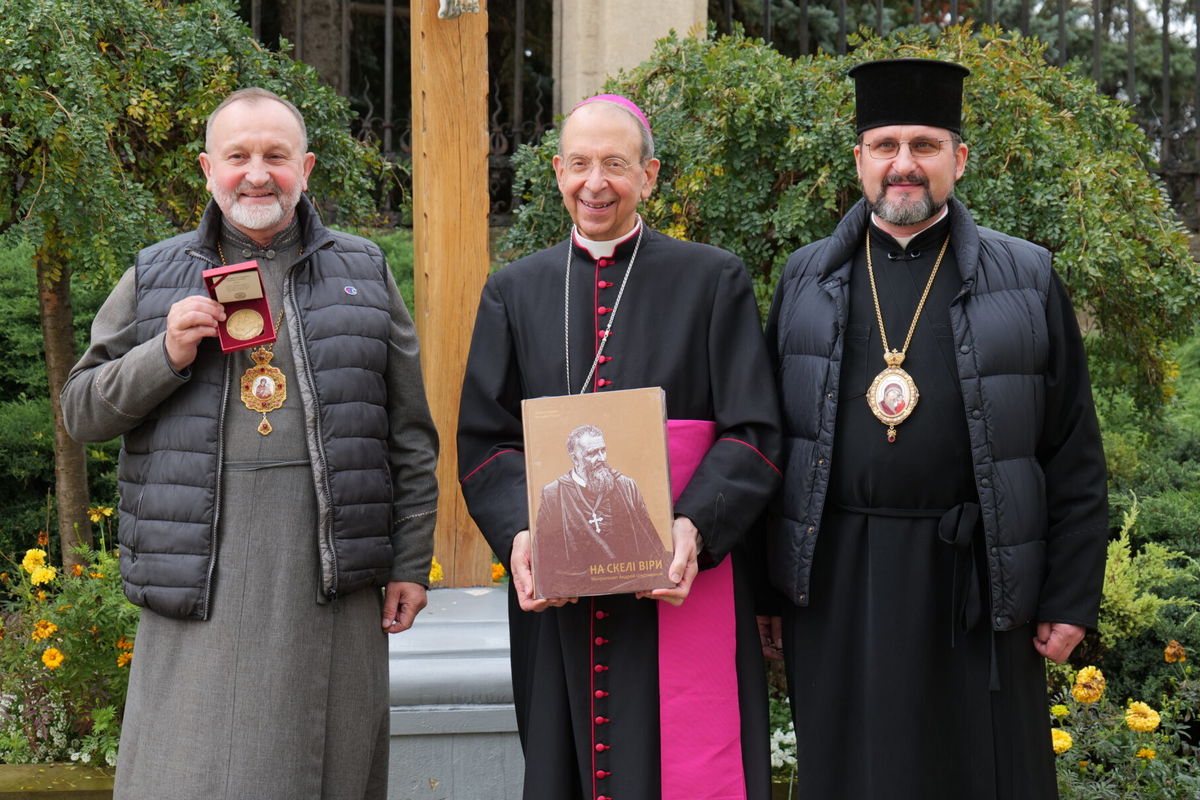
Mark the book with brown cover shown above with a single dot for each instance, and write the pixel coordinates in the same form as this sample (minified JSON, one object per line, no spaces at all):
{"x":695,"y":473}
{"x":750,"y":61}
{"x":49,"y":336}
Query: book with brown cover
{"x":599,"y":492}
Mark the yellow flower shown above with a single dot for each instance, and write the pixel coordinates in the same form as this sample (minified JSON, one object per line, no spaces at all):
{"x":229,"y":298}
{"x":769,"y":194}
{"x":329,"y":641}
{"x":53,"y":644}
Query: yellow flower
{"x":1089,"y":685}
{"x":98,"y":513}
{"x":1059,"y":710}
{"x":53,"y":658}
{"x":498,"y":572}
{"x":1145,"y":753}
{"x":3,"y":577}
{"x":77,"y":570}
{"x":97,"y":574}
{"x":123,"y":659}
{"x":435,"y":571}
{"x":33,"y":559}
{"x":40,"y":595}
{"x":1141,"y":717}
{"x":43,"y":629}
{"x":42,"y":575}
{"x":1174,"y":652}
{"x":1061,"y":740}
{"x":43,"y":539}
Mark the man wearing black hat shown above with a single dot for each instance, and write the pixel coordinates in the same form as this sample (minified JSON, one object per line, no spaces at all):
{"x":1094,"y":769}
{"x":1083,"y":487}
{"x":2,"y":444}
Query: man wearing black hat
{"x":934,"y":551}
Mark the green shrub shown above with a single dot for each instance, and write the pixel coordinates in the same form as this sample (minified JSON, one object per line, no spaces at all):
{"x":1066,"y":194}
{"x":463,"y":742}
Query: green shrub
{"x":756,"y":152}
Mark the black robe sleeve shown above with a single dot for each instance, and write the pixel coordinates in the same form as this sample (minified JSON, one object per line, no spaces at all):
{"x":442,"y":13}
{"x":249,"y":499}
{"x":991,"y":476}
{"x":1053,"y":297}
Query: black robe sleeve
{"x":1072,"y":456}
{"x":491,"y":444}
{"x":737,"y":477}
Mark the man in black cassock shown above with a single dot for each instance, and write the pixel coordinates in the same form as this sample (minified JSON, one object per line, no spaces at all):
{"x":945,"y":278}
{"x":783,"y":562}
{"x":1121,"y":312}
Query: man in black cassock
{"x":580,"y":511}
{"x":620,"y":306}
{"x":931,"y":562}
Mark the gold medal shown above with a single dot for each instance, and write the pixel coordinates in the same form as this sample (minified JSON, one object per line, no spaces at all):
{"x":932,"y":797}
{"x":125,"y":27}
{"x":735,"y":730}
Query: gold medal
{"x":264,"y":388}
{"x":893,"y":394}
{"x":244,"y":324}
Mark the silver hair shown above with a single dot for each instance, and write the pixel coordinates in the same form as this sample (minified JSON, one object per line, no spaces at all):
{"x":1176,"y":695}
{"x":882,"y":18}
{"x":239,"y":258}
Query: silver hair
{"x":255,"y":94}
{"x":578,"y":433}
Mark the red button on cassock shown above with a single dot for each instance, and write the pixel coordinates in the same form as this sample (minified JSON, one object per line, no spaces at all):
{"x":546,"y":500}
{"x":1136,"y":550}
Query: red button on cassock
{"x":601,"y":693}
{"x":603,"y":797}
{"x":603,"y":382}
{"x":600,"y":640}
{"x":601,"y":614}
{"x":602,"y":334}
{"x":601,"y":774}
{"x":605,"y":359}
{"x":602,"y":310}
{"x":601,"y":720}
{"x":600,"y":668}
{"x":602,"y":262}
{"x":601,"y":747}
{"x":604,"y":284}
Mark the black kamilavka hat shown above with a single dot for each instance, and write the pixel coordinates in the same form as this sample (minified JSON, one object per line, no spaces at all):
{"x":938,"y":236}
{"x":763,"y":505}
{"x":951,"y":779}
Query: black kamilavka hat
{"x":908,"y":91}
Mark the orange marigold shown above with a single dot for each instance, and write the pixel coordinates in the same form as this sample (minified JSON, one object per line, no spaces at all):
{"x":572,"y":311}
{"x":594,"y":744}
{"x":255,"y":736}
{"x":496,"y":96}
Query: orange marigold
{"x":498,"y":572}
{"x":43,"y":539}
{"x":43,"y":629}
{"x":123,"y":659}
{"x":1174,"y":652}
{"x":77,"y":570}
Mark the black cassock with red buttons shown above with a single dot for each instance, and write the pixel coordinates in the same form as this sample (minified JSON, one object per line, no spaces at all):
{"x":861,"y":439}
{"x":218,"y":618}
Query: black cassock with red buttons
{"x":585,"y":675}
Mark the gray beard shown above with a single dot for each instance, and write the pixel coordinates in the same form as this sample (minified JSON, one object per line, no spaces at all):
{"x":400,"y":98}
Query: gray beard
{"x":908,"y":212}
{"x":600,"y":480}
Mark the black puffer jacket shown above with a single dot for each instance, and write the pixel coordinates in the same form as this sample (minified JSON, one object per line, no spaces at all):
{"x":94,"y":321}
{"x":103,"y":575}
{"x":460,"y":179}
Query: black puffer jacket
{"x":171,"y":461}
{"x":1001,"y":347}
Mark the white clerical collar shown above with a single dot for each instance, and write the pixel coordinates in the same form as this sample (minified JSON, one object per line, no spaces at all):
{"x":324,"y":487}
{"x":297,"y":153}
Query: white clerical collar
{"x":579,"y":480}
{"x":605,"y":249}
{"x":904,"y":240}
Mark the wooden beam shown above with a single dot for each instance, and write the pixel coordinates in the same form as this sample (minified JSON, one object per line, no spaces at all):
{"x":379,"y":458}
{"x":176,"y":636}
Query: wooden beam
{"x":450,"y":243}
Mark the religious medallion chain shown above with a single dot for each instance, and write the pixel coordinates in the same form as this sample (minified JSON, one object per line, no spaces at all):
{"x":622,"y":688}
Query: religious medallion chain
{"x":611,"y":314}
{"x":263,"y":388}
{"x":893,"y":394}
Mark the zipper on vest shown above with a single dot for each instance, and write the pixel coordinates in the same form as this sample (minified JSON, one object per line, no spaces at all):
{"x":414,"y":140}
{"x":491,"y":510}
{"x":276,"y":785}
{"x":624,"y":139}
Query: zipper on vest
{"x":300,"y":351}
{"x":212,"y":557}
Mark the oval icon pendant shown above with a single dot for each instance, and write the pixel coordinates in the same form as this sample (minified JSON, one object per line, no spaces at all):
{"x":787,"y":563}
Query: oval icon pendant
{"x":892,"y":397}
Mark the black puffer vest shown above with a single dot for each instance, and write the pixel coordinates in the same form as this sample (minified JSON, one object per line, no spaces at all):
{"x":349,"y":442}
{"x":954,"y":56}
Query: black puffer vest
{"x":171,"y":463}
{"x":1000,"y":337}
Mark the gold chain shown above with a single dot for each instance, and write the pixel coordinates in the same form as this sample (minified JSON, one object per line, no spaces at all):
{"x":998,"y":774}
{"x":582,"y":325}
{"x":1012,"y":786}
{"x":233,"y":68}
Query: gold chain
{"x":898,"y":355}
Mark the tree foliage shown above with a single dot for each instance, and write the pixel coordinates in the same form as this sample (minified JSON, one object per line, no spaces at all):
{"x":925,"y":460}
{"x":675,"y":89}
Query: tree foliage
{"x":756,"y":152}
{"x":102,"y":110}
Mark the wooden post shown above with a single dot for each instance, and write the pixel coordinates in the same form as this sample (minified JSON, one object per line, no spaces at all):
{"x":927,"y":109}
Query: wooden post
{"x":450,"y":244}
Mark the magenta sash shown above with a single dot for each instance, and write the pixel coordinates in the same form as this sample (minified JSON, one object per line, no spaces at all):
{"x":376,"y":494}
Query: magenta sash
{"x":697,"y":674}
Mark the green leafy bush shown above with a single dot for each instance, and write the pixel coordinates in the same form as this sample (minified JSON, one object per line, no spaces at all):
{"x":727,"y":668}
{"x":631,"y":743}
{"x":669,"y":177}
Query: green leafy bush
{"x":756,"y":152}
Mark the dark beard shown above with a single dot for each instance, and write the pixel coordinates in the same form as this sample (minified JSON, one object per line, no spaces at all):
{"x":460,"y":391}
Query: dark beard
{"x":908,"y":213}
{"x":600,"y":480}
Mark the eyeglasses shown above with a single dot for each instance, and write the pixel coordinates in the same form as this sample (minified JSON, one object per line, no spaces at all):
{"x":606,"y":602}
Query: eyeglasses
{"x":917,"y":148}
{"x":611,"y":167}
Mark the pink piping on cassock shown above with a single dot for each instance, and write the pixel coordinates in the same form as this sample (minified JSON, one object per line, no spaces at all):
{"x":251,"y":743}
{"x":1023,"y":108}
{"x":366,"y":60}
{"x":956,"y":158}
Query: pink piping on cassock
{"x":485,"y":463}
{"x":755,"y":449}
